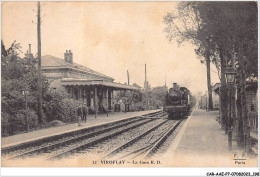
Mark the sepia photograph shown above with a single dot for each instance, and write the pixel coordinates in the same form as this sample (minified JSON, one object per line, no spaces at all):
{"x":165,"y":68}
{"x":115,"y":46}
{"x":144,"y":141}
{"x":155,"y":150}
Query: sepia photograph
{"x":129,"y":84}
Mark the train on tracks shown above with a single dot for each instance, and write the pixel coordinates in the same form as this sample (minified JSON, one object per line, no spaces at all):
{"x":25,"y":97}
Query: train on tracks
{"x":178,"y":102}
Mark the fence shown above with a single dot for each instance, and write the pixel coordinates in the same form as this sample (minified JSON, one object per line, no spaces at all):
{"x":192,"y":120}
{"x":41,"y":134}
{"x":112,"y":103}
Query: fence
{"x":253,"y":120}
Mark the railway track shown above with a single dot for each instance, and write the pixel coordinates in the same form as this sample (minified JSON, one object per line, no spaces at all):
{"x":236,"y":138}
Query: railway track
{"x":146,"y":144}
{"x":73,"y":140}
{"x":127,"y":136}
{"x":103,"y":145}
{"x":91,"y":141}
{"x":159,"y":114}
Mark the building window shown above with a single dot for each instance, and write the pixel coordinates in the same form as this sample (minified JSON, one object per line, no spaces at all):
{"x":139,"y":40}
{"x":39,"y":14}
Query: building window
{"x":76,"y":93}
{"x":80,"y":92}
{"x":71,"y":92}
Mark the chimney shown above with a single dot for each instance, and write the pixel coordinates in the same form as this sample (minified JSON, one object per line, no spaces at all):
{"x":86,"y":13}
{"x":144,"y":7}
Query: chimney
{"x":30,"y":48}
{"x":29,"y":53}
{"x":68,"y":56}
{"x":175,"y":86}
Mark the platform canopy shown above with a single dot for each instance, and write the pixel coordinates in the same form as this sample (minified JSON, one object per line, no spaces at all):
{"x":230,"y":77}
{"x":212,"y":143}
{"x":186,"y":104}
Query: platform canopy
{"x":216,"y":88}
{"x":87,"y":82}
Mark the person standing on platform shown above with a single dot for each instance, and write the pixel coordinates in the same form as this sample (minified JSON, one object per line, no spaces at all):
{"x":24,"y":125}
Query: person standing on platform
{"x":85,"y":113}
{"x":79,"y":115}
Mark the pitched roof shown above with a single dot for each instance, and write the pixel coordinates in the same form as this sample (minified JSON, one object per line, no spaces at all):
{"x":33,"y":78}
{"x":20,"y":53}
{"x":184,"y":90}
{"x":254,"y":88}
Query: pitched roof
{"x":49,"y":61}
{"x":77,"y":81}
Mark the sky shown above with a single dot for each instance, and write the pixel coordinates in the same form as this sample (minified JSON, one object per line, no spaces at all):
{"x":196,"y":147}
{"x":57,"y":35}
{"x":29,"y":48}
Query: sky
{"x":109,"y":37}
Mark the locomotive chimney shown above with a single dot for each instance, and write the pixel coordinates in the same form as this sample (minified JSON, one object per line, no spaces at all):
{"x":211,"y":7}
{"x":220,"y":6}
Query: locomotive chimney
{"x":176,"y":86}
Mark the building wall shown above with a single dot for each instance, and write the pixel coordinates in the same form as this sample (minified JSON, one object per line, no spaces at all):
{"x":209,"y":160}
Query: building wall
{"x":53,"y":75}
{"x":83,"y":94}
{"x":203,"y":104}
{"x":215,"y":100}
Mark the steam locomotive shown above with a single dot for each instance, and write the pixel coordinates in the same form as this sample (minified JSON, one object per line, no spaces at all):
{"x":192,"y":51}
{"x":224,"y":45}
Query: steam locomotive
{"x":178,"y":102}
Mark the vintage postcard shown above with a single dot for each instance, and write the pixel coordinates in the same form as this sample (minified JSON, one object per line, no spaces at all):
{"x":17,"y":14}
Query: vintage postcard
{"x":129,"y":84}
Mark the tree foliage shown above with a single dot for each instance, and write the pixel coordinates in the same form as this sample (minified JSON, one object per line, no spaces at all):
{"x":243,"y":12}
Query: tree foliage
{"x":185,"y":24}
{"x":158,"y":96}
{"x":19,"y":74}
{"x":228,"y":32}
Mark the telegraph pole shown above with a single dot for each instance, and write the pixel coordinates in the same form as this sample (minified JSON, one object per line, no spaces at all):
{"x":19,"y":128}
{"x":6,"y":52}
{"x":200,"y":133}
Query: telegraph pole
{"x":30,"y":48}
{"x":145,"y":80}
{"x":39,"y":98}
{"x":165,"y":84}
{"x":128,"y":77}
{"x":146,"y":88}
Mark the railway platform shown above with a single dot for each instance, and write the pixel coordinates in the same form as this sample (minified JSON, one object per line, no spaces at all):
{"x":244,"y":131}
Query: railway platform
{"x":91,"y":121}
{"x":201,"y":143}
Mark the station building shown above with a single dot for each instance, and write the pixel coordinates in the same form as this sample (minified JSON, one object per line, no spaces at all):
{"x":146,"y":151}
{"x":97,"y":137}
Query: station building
{"x":90,"y":88}
{"x":204,"y":101}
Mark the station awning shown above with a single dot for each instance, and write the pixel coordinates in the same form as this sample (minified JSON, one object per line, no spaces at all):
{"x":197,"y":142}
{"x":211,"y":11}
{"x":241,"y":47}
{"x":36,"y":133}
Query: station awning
{"x":216,"y":88}
{"x":87,"y":82}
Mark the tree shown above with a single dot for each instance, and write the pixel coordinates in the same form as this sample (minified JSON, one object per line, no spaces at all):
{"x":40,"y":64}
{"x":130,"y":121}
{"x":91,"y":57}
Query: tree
{"x":19,"y":74}
{"x":233,"y":28}
{"x":245,"y":37}
{"x":229,"y":30}
{"x":158,"y":95}
{"x":185,"y":25}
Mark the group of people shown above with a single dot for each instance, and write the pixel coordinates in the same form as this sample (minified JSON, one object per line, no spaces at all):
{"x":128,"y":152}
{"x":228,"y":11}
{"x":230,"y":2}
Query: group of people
{"x":82,"y":113}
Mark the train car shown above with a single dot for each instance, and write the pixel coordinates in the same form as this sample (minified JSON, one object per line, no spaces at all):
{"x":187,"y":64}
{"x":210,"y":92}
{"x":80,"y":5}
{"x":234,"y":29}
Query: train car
{"x":178,"y":102}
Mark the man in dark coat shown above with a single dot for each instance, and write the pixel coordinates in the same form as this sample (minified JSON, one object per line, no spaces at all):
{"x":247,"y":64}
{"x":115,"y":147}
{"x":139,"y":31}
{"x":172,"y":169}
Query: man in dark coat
{"x":79,"y":115}
{"x":85,"y":113}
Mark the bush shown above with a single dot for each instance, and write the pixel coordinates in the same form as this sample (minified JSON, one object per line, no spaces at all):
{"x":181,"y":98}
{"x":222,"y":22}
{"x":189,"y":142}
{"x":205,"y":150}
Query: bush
{"x":55,"y":123}
{"x":58,"y":106}
{"x":18,"y":122}
{"x":91,"y":111}
{"x":69,"y":109}
{"x":4,"y":122}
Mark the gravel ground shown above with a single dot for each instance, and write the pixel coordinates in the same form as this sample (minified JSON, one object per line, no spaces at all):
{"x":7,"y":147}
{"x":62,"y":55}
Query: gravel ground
{"x":102,"y":149}
{"x":94,"y":138}
{"x":148,"y":139}
{"x":169,"y":140}
{"x":106,"y":146}
{"x":111,"y":144}
{"x":63,"y":139}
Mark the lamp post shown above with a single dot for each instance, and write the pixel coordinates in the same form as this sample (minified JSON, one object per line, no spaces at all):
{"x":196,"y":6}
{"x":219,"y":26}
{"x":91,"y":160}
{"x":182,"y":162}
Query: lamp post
{"x":206,"y":101}
{"x":25,"y":93}
{"x":230,"y":78}
{"x":54,"y":90}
